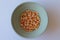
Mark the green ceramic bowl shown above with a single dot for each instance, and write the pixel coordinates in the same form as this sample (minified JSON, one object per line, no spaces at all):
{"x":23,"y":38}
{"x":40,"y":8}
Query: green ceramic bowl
{"x":31,"y":6}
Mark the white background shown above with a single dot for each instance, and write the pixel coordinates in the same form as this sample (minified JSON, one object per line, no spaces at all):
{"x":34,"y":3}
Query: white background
{"x":53,"y":10}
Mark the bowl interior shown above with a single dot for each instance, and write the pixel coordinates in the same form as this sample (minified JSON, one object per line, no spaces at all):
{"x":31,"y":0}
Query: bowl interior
{"x":32,"y":6}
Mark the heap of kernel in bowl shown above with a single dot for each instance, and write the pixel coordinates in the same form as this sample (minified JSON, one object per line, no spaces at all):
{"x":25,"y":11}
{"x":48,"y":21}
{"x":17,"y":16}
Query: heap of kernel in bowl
{"x":29,"y":20}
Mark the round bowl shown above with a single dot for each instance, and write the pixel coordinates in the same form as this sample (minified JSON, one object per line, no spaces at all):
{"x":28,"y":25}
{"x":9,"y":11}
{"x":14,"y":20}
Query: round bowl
{"x":32,"y":6}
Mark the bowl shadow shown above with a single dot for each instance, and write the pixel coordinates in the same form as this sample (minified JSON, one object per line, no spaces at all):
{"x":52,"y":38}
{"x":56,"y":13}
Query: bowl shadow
{"x":52,"y":22}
